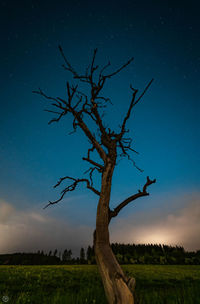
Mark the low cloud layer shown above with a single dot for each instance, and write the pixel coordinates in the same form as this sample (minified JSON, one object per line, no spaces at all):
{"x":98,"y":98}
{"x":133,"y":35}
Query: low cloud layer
{"x":32,"y":231}
{"x":180,"y":228}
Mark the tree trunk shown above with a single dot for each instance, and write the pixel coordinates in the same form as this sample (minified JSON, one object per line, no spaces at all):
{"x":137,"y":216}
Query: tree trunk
{"x":118,"y":287}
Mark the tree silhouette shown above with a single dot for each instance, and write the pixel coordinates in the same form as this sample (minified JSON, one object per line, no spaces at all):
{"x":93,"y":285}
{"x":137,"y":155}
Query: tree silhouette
{"x":66,"y":256}
{"x":82,"y":255}
{"x":110,"y":146}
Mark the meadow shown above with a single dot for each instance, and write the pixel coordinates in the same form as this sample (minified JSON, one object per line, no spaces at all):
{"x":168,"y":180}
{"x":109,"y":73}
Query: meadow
{"x":78,"y":284}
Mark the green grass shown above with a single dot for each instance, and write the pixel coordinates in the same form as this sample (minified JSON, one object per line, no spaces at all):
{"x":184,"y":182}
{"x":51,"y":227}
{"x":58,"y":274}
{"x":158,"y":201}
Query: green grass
{"x":155,"y":284}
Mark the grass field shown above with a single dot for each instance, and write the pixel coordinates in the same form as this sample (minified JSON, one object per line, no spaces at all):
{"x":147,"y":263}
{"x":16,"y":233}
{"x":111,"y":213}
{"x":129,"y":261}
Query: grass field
{"x":155,"y":284}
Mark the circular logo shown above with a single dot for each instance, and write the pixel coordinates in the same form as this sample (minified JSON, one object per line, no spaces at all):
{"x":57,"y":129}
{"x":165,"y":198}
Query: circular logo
{"x":5,"y":299}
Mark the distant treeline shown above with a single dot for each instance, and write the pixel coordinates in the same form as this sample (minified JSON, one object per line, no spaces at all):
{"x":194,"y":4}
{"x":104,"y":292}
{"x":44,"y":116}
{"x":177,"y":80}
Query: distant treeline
{"x":125,"y":254}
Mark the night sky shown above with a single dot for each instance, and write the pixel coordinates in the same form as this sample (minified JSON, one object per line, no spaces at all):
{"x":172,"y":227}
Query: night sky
{"x":164,"y":39}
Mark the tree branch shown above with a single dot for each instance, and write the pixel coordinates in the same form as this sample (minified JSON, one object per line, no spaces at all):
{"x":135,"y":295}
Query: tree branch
{"x":144,"y":192}
{"x":118,"y":70}
{"x":67,"y":107}
{"x":132,"y":104}
{"x":146,"y":88}
{"x":71,"y":187}
{"x":125,"y":145}
{"x":91,"y":137}
{"x":93,"y":163}
{"x":128,"y":113}
{"x":91,"y":170}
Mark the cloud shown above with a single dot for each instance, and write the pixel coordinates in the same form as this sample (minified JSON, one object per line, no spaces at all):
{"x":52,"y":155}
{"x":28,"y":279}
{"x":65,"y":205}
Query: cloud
{"x":179,"y":228}
{"x":30,"y":231}
{"x":6,"y":210}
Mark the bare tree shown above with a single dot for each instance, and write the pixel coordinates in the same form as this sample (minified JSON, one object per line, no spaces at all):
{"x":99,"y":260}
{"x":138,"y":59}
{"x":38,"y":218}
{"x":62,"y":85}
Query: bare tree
{"x":110,"y":147}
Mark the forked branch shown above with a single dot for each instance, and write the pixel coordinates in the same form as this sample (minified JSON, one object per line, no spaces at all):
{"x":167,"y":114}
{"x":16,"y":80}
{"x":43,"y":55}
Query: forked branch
{"x":140,"y":193}
{"x":67,"y":107}
{"x":119,"y":69}
{"x":71,"y":187}
{"x":134,"y":101}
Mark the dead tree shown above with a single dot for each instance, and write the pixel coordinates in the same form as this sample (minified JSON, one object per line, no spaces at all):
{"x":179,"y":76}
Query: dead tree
{"x":110,"y":146}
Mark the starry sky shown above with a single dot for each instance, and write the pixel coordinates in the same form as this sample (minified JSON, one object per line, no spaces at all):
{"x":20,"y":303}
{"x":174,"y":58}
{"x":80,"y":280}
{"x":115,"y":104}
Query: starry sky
{"x":163,"y":37}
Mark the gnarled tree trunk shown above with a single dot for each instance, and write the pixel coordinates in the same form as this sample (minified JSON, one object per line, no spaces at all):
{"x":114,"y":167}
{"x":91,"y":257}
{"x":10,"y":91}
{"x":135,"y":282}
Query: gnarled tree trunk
{"x":118,"y":287}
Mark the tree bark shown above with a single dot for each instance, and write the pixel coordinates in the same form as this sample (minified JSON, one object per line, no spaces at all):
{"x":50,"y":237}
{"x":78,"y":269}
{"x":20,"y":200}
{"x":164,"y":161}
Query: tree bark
{"x":118,"y":287}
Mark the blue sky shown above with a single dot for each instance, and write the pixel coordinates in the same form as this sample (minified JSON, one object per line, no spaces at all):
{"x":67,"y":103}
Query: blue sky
{"x":163,"y":37}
